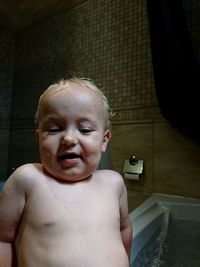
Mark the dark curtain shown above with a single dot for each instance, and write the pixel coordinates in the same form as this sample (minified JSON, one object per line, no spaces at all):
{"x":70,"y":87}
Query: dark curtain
{"x":176,"y":70}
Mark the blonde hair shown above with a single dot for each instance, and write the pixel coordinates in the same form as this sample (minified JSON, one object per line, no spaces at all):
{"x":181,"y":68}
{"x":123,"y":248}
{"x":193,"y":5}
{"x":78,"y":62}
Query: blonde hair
{"x":64,"y":84}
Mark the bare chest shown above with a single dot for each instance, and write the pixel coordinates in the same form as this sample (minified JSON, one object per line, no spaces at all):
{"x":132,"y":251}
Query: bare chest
{"x":72,"y":210}
{"x":64,"y":222}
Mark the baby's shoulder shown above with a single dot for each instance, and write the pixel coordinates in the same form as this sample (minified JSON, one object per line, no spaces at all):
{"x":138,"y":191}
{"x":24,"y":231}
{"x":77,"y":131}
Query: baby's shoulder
{"x":26,"y":175}
{"x":110,"y":177}
{"x":110,"y":173}
{"x":28,"y":170}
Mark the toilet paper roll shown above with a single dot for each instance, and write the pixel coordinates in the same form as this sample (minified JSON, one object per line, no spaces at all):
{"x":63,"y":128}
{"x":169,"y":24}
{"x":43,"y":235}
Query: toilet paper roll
{"x":131,"y":176}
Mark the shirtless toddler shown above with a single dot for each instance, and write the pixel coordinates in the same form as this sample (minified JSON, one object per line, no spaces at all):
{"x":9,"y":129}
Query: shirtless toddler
{"x":64,"y":212}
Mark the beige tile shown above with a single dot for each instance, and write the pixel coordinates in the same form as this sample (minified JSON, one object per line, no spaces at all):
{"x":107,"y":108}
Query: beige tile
{"x":135,"y":199}
{"x":176,"y":162}
{"x":133,"y":139}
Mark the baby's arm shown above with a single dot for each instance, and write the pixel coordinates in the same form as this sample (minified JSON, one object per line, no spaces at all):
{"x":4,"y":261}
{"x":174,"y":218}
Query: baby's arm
{"x":12,"y":202}
{"x":125,"y":224}
{"x":6,"y":255}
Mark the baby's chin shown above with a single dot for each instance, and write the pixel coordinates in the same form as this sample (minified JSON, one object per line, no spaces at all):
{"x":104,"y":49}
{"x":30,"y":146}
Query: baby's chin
{"x":72,"y":179}
{"x":62,"y":177}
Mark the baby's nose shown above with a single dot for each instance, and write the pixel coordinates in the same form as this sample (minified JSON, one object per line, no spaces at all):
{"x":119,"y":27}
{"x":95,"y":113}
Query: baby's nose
{"x":69,"y":139}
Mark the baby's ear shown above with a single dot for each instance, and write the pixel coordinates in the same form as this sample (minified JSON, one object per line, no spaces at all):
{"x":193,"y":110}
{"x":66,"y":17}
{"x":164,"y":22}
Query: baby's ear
{"x":37,"y":135}
{"x":106,"y":138}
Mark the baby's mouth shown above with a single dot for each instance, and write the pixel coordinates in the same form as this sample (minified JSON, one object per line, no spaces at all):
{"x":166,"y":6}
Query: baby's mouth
{"x":69,"y":156}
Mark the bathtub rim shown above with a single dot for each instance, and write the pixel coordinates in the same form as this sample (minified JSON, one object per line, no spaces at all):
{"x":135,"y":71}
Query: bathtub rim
{"x":163,"y":199}
{"x":157,"y":209}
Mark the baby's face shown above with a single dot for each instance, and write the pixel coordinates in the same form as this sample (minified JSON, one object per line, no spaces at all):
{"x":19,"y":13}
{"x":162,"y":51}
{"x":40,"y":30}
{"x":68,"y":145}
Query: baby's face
{"x":72,"y":133}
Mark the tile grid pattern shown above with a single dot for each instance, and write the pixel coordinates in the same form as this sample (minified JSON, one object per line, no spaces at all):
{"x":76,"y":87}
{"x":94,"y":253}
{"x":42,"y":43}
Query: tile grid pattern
{"x":6,"y":72}
{"x":105,"y":40}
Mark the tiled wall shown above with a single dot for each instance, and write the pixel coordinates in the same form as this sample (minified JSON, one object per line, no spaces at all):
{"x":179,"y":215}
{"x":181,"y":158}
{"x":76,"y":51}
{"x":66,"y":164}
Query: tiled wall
{"x":109,"y":42}
{"x":171,"y":160}
{"x":6,"y":79}
{"x":105,"y":40}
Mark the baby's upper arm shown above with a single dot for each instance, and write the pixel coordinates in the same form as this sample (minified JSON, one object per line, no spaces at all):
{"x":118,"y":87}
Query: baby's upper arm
{"x":123,"y":204}
{"x":123,"y":201}
{"x":12,"y":202}
{"x":125,"y":224}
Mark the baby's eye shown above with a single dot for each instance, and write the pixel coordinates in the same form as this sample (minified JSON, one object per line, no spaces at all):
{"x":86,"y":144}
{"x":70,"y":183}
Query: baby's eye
{"x":54,"y":130}
{"x":86,"y":130}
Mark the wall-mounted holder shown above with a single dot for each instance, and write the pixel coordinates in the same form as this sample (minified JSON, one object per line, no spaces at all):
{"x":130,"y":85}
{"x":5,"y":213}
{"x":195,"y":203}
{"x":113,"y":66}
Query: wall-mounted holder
{"x":133,"y":168}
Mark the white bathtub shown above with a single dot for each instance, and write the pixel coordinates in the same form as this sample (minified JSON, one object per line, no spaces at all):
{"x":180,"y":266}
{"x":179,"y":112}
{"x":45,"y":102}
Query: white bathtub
{"x":152,"y":217}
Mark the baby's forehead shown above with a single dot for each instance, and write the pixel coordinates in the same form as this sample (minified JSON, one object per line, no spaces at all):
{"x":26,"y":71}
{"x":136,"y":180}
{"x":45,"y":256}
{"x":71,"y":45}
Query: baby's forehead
{"x":75,"y":97}
{"x":68,"y":89}
{"x":58,"y":96}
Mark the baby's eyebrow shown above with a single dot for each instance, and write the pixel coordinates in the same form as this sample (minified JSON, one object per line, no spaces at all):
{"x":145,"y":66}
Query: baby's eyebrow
{"x":50,"y":119}
{"x":81,"y":121}
{"x":85,"y":120}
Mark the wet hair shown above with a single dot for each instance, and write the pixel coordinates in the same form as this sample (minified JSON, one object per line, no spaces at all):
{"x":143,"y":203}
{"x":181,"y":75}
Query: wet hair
{"x":66,"y":83}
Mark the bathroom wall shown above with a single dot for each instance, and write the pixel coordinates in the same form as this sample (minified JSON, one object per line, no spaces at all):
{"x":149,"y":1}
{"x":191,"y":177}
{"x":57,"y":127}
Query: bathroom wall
{"x":6,"y":79}
{"x":109,"y":42}
{"x":101,"y":39}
